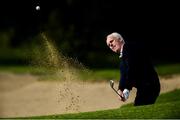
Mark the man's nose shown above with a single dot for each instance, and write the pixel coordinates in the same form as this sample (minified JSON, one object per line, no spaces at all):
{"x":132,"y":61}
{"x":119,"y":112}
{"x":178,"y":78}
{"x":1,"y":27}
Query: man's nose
{"x":111,"y":45}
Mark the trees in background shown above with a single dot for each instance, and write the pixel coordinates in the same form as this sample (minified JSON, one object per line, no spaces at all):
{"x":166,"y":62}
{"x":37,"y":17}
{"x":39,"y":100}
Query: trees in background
{"x":78,"y":28}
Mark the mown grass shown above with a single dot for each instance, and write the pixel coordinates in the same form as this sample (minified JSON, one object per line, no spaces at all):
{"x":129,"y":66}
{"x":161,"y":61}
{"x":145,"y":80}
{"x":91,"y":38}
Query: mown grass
{"x":93,"y":74}
{"x":22,"y":69}
{"x":168,"y":69}
{"x":166,"y":107}
{"x":107,"y":74}
{"x":101,"y":74}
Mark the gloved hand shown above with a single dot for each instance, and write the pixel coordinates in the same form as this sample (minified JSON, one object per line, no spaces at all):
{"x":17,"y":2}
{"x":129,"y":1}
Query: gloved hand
{"x":126,"y":94}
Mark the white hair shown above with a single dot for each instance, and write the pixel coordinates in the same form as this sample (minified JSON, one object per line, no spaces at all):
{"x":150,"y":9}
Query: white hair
{"x":116,"y":35}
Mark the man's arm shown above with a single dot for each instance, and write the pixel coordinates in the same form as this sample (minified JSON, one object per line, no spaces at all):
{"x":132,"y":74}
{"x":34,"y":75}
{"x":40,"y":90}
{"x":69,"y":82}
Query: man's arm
{"x":125,"y":81}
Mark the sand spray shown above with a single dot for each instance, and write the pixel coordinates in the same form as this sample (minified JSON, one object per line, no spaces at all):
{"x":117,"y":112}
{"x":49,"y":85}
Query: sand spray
{"x":56,"y":66}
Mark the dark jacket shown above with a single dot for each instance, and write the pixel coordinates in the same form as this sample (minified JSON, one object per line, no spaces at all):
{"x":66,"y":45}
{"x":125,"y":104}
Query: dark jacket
{"x":136,"y":68}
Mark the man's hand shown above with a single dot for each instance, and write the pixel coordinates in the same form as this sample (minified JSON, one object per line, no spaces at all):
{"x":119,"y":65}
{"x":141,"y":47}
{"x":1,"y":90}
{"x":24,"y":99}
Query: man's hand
{"x":124,"y":94}
{"x":121,"y":93}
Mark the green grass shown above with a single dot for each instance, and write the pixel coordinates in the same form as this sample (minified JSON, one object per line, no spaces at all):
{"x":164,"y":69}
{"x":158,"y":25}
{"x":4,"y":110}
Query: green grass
{"x":22,"y":70}
{"x":107,"y":74}
{"x":101,"y":74}
{"x":166,"y":107}
{"x":95,"y":74}
{"x":169,"y":69}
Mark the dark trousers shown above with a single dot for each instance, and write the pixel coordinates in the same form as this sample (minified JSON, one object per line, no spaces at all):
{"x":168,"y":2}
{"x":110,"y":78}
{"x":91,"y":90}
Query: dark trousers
{"x":147,"y":94}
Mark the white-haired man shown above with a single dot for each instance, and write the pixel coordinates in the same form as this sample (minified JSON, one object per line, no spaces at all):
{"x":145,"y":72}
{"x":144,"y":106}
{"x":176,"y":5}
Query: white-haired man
{"x":136,"y":70}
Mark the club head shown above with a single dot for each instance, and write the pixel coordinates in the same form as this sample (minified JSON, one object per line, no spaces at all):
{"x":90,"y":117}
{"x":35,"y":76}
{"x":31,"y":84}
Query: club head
{"x":112,"y":86}
{"x":111,"y":83}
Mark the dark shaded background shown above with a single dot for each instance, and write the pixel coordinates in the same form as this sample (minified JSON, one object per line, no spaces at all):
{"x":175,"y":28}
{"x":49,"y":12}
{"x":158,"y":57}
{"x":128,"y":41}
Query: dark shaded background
{"x":79,"y":27}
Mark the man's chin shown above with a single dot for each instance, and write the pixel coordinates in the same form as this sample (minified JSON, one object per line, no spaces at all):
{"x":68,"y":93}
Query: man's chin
{"x":117,"y":51}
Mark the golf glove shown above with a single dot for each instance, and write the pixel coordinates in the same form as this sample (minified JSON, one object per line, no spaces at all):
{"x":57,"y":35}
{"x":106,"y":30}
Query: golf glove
{"x":126,"y":94}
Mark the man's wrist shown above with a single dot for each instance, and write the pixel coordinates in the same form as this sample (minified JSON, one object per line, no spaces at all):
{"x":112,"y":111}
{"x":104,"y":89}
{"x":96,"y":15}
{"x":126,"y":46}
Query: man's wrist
{"x":126,"y":93}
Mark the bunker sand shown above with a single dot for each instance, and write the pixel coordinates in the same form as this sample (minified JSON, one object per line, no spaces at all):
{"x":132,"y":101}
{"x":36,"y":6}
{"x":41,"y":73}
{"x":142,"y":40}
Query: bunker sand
{"x":23,"y":95}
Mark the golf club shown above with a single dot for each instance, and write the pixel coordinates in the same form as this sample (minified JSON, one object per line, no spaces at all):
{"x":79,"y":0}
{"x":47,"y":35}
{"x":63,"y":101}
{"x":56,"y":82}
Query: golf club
{"x":112,"y":86}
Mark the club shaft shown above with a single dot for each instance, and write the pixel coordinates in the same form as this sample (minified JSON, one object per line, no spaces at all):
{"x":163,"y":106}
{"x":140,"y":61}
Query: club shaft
{"x":117,"y":92}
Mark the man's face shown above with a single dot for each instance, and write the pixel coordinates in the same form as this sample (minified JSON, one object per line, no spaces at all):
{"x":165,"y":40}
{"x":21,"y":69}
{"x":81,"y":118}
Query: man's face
{"x":114,"y":44}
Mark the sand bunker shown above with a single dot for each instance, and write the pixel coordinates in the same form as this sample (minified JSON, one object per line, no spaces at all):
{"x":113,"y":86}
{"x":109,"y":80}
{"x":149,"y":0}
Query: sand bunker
{"x":24,"y":95}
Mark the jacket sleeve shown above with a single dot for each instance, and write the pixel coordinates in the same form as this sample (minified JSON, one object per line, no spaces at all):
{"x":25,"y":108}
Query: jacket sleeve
{"x":126,"y":80}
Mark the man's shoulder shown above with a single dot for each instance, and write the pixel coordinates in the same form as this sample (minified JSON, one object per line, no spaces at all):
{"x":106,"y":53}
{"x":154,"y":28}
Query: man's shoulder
{"x":136,"y":45}
{"x":135,"y":49}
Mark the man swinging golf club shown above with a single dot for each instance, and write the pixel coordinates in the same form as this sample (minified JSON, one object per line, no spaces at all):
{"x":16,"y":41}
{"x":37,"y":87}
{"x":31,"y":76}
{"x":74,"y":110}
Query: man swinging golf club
{"x":136,"y":71}
{"x":125,"y":94}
